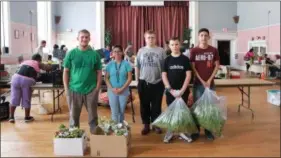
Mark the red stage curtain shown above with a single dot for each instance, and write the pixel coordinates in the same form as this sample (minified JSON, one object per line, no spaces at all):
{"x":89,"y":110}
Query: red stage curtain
{"x":129,"y":23}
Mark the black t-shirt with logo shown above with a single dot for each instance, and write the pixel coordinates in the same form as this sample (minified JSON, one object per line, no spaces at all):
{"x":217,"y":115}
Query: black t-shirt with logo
{"x":176,"y":68}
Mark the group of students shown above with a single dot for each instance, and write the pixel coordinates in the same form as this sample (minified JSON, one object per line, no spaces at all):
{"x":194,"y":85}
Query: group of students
{"x":156,"y":73}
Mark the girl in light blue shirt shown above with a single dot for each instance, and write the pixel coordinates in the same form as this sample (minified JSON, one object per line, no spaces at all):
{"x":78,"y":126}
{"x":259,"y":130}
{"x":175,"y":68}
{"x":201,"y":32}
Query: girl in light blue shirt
{"x":118,"y":78}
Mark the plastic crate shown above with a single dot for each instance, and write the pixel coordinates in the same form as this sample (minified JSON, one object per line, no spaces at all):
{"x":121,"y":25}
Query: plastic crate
{"x":4,"y":109}
{"x":273,"y":97}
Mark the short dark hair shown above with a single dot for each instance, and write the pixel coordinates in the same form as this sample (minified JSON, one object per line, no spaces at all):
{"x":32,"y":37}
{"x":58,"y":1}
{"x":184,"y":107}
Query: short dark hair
{"x":174,"y":39}
{"x":204,"y":30}
{"x":119,"y":47}
{"x":251,"y":50}
{"x":167,"y":42}
{"x":43,"y":42}
{"x":56,"y":46}
{"x":49,"y":57}
{"x":37,"y":57}
{"x":62,"y":46}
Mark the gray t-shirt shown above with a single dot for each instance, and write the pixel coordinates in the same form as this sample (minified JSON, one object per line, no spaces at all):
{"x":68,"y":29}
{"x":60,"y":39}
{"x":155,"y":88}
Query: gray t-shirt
{"x":150,"y":63}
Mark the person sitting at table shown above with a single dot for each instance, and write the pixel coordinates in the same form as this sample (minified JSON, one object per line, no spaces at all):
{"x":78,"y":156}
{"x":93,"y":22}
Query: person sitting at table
{"x":21,"y":83}
{"x":249,"y":59}
{"x":118,"y":78}
{"x":275,"y":67}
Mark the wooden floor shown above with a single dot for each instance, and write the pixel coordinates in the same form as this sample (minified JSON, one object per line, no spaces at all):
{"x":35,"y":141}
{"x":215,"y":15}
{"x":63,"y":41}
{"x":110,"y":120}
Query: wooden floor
{"x":242,"y":137}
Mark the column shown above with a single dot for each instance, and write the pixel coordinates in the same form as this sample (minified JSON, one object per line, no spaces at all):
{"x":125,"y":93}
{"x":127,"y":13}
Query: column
{"x":100,"y":25}
{"x":193,"y":20}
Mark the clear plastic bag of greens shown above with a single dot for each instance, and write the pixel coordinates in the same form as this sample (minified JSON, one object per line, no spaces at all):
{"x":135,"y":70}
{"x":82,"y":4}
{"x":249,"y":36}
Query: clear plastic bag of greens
{"x":177,"y":118}
{"x":210,"y":112}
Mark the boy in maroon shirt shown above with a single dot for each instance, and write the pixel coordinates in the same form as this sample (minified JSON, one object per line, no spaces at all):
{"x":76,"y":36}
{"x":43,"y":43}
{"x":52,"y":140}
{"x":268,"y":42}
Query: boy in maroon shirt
{"x":205,"y":64}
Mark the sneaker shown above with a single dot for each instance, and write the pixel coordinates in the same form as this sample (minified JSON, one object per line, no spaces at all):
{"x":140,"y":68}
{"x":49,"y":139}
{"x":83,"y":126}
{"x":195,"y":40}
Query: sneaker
{"x":168,"y":137}
{"x":209,"y":135}
{"x":195,"y":136}
{"x":185,"y":137}
{"x":157,"y":129}
{"x":29,"y":119}
{"x":12,"y":120}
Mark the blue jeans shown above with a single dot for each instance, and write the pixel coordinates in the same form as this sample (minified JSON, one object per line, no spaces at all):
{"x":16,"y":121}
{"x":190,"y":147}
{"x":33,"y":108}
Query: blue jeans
{"x":198,"y":91}
{"x":117,"y":105}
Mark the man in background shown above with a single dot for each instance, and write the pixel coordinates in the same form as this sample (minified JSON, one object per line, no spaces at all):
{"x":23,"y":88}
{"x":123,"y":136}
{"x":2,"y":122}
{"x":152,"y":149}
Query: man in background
{"x":106,"y":53}
{"x":39,"y":49}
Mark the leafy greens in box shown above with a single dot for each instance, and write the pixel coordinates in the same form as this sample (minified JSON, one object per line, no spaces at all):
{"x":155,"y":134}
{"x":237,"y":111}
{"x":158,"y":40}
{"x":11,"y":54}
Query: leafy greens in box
{"x":69,"y":132}
{"x":110,"y":127}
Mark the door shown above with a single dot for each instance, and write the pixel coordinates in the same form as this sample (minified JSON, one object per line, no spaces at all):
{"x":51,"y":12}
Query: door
{"x":224,"y":50}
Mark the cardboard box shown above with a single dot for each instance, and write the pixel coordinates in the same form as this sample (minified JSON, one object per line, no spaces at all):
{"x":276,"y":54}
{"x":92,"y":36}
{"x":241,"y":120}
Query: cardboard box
{"x":110,"y":145}
{"x":70,"y":146}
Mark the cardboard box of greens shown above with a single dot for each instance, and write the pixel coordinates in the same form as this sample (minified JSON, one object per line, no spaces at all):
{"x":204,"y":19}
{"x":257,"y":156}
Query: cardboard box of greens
{"x":109,"y":141}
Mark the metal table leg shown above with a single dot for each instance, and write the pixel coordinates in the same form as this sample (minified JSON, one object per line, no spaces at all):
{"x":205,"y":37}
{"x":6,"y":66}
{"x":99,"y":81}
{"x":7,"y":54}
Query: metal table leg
{"x":247,"y":102}
{"x":132,"y":105}
{"x":54,"y":103}
{"x":54,"y":106}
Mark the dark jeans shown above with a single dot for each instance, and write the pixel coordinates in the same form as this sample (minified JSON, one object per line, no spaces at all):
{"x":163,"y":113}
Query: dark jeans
{"x":273,"y":70}
{"x":150,"y":100}
{"x":247,"y":66}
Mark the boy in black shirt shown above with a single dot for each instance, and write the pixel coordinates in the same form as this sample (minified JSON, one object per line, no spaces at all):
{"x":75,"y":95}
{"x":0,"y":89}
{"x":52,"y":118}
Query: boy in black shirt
{"x":176,"y":76}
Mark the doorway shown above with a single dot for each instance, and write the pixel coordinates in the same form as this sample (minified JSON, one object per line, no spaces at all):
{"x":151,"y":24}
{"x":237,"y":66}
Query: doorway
{"x":224,"y":51}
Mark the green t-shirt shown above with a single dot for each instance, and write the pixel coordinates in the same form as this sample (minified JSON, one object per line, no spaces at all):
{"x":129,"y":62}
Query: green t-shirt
{"x":83,"y":66}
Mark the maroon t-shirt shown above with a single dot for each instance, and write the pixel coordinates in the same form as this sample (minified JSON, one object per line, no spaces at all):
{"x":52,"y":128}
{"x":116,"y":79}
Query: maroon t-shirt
{"x":204,"y":60}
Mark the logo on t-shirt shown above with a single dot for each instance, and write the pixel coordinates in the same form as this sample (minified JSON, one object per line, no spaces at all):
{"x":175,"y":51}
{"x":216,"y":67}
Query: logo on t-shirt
{"x":150,"y":59}
{"x":176,"y":67}
{"x":209,"y":56}
{"x":206,"y":56}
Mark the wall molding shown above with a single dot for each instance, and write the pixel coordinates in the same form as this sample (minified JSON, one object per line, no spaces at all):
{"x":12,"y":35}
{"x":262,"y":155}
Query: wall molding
{"x":259,"y":27}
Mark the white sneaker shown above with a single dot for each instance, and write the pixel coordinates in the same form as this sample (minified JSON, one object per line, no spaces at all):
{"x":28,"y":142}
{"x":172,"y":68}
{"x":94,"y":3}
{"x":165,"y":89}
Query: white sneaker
{"x":168,"y":137}
{"x":185,"y":137}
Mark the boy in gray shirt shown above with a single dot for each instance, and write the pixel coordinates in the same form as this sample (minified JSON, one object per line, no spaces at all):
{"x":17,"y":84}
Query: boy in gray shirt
{"x":150,"y":60}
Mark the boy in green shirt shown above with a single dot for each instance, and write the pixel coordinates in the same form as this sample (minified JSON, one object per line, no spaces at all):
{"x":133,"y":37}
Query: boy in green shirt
{"x":82,"y":80}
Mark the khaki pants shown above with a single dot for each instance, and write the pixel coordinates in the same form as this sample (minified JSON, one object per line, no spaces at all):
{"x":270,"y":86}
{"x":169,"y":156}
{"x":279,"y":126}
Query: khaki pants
{"x":75,"y":103}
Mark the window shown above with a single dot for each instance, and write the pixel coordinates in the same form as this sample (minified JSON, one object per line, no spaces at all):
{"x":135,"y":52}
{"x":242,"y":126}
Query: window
{"x":44,"y":25}
{"x":5,"y":40}
{"x":259,"y":46}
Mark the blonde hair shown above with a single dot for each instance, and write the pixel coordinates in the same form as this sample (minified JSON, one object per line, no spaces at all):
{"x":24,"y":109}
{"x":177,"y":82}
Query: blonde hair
{"x":149,"y":32}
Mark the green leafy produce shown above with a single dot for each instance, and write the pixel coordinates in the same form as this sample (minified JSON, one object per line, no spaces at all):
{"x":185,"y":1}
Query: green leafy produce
{"x":69,"y":132}
{"x":177,"y":118}
{"x":209,"y":117}
{"x":110,"y":127}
